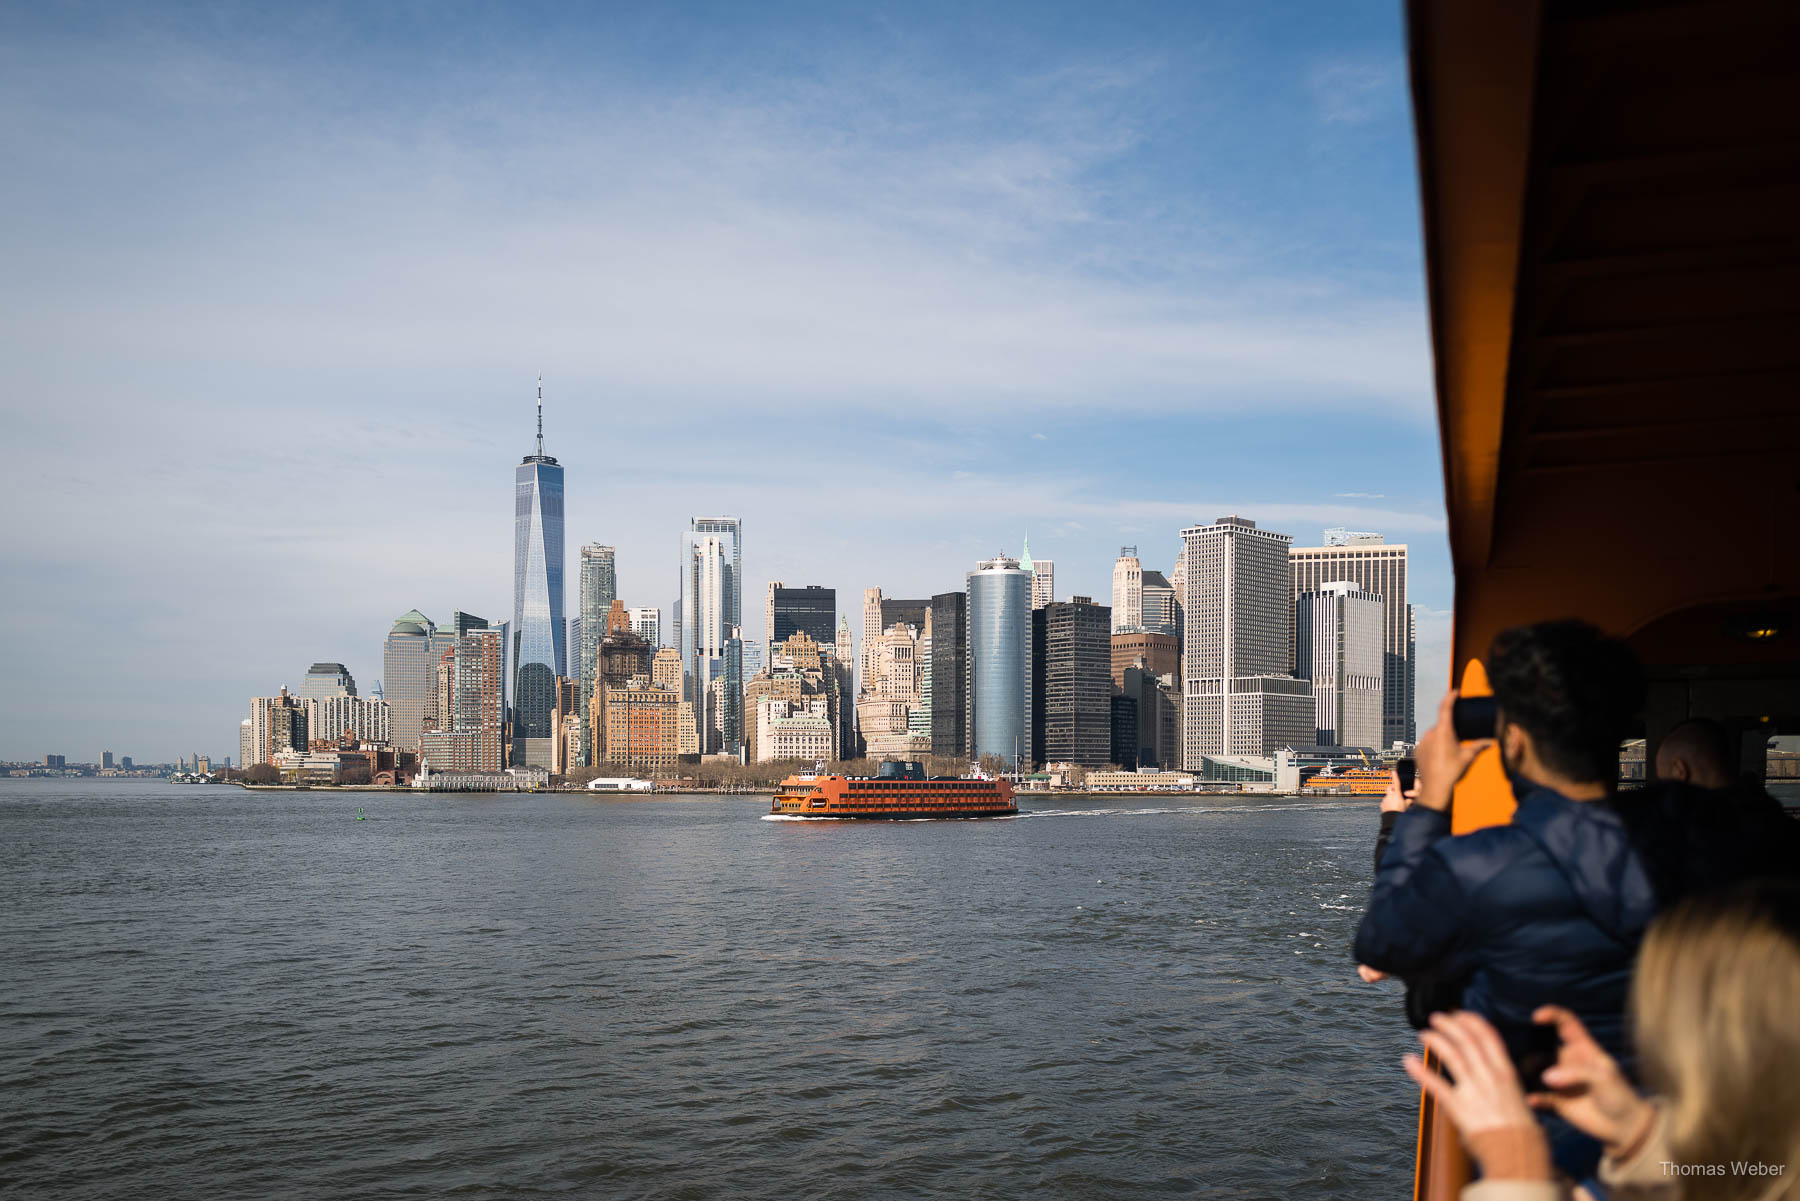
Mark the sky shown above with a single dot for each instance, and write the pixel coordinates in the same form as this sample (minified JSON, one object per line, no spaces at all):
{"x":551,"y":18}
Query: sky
{"x":898,"y":285}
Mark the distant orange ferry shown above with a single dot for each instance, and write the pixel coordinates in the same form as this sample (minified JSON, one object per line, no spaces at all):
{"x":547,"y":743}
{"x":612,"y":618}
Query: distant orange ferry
{"x":901,"y":791}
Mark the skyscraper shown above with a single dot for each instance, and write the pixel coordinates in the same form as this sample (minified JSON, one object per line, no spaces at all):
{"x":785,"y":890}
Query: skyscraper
{"x":1376,"y":567}
{"x":811,"y":610}
{"x":1073,"y":699}
{"x":1338,"y":632}
{"x":409,"y":659}
{"x":540,"y":653}
{"x":1238,"y":696}
{"x":1043,"y":577}
{"x":325,"y":680}
{"x":707,"y":627}
{"x":599,"y":586}
{"x":1156,"y":604}
{"x":950,"y":674}
{"x":1128,"y":591}
{"x":1000,"y":660}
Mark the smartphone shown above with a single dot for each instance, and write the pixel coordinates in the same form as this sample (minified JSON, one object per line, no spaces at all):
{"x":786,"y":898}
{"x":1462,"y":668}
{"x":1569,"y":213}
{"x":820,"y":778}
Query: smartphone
{"x":1408,"y":771}
{"x":1474,"y":717}
{"x":1532,"y":1051}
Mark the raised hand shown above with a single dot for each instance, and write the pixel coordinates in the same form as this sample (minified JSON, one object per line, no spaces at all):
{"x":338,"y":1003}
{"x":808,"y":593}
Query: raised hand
{"x":1484,"y":1099}
{"x":1586,"y":1088}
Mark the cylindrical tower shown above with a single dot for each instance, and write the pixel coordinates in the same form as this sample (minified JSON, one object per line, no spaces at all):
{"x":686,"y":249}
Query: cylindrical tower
{"x":1000,"y":660}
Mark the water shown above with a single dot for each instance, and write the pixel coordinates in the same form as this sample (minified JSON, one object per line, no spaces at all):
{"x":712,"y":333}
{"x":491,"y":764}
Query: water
{"x":208,"y":992}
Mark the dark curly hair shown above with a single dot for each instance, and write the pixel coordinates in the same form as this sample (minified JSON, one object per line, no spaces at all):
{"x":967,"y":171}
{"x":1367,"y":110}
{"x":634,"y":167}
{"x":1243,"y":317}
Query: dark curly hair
{"x":1575,"y":690}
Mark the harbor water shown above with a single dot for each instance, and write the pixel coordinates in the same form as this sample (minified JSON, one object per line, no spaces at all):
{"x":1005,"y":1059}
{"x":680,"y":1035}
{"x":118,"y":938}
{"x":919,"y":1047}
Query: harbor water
{"x":208,"y":992}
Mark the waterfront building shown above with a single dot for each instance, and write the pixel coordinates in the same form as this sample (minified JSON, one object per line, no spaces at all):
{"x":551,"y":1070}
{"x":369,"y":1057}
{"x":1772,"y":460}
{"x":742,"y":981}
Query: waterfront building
{"x":646,"y":623}
{"x":709,"y":620}
{"x":277,"y":723}
{"x":1158,"y":706}
{"x":1380,"y":569}
{"x":1238,"y":696}
{"x":621,"y":657}
{"x":1124,"y":731}
{"x":327,"y":680}
{"x":1043,"y":577}
{"x":1338,"y":634}
{"x":811,"y":610}
{"x":1128,"y":590}
{"x":644,"y":726}
{"x":599,"y":587}
{"x":778,"y":682}
{"x":106,"y":759}
{"x":246,"y":741}
{"x":347,"y":717}
{"x":569,"y":721}
{"x":1000,"y":661}
{"x":1072,"y":718}
{"x":540,"y":653}
{"x":794,"y":729}
{"x":1158,"y":654}
{"x":1156,"y":604}
{"x":409,"y":661}
{"x":949,"y":616}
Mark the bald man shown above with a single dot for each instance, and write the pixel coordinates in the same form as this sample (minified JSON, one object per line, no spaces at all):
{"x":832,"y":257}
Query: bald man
{"x":1697,"y":752}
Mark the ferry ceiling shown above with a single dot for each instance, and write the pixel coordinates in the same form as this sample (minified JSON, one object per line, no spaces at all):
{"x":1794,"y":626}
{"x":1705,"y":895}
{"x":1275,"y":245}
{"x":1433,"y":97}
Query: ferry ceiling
{"x":1611,"y":196}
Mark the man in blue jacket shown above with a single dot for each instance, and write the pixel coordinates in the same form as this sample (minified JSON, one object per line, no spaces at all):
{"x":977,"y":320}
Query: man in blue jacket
{"x":1549,"y":909}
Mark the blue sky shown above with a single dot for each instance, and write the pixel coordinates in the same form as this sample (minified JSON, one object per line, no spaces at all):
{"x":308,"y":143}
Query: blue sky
{"x":895,"y":284}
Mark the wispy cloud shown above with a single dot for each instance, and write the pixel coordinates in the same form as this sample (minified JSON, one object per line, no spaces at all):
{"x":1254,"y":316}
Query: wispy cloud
{"x":1360,"y":495}
{"x":1355,"y":91}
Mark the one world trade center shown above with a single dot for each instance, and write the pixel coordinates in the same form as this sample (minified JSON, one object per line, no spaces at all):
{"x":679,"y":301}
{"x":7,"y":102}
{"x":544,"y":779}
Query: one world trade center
{"x":539,"y":650}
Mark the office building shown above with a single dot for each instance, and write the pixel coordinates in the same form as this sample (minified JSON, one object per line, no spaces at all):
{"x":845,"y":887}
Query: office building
{"x":1157,"y":705}
{"x":106,"y":759}
{"x":1043,"y":577}
{"x":644,"y":727}
{"x":410,"y":659}
{"x":277,"y":723}
{"x":1128,"y":590}
{"x":1072,"y":693}
{"x":621,"y":657}
{"x":327,"y":680}
{"x":352,"y":719}
{"x":1380,"y":569}
{"x":539,"y":651}
{"x":1124,"y":731}
{"x":950,"y":674}
{"x":646,"y":623}
{"x":811,"y":610}
{"x":1338,"y":635}
{"x":918,"y":722}
{"x":708,"y":623}
{"x":599,"y":587}
{"x":1159,"y":654}
{"x":1000,"y":661}
{"x":246,"y":744}
{"x":1238,"y":696}
{"x":1156,"y":604}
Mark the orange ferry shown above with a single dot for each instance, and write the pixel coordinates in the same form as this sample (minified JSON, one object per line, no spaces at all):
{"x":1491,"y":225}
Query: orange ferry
{"x":901,"y":791}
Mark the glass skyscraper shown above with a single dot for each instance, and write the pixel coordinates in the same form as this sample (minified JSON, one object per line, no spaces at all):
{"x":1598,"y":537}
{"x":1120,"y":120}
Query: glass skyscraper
{"x":599,"y":586}
{"x":407,"y":661}
{"x":539,"y":635}
{"x":1000,"y":660}
{"x":326,"y":680}
{"x":710,"y":612}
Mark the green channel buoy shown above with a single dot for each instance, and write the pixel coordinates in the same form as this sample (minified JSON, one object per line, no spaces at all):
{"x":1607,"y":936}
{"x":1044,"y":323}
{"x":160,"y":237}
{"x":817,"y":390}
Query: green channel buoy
{"x":360,"y":817}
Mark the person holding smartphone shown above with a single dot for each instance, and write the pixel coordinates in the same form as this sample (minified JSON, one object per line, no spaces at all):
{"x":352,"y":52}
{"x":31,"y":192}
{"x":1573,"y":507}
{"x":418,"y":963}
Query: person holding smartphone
{"x":1550,"y":908}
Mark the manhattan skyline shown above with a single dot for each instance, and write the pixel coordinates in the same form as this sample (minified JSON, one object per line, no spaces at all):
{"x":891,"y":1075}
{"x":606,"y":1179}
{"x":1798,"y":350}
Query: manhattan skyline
{"x":285,"y":285}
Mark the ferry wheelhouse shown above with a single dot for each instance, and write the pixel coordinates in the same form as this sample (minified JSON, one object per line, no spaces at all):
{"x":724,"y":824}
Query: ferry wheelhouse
{"x":899,"y":792}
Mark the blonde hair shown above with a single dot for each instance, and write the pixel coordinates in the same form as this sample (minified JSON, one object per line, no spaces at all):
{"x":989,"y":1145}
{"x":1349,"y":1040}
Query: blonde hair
{"x":1716,"y":1009}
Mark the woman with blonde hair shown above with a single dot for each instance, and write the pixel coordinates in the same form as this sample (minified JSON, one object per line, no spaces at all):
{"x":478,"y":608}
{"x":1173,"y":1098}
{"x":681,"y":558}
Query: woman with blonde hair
{"x":1715,"y":1008}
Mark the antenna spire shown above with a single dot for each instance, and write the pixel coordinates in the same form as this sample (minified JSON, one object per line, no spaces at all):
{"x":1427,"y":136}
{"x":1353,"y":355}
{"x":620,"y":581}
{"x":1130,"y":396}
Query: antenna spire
{"x":540,"y":416}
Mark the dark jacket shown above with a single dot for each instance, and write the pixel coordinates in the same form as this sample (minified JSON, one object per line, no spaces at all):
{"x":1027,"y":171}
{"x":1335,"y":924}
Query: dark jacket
{"x":1548,"y":909}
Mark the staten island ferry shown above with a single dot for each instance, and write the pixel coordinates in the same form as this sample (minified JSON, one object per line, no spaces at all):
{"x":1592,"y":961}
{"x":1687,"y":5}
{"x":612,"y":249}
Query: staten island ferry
{"x":900,"y":791}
